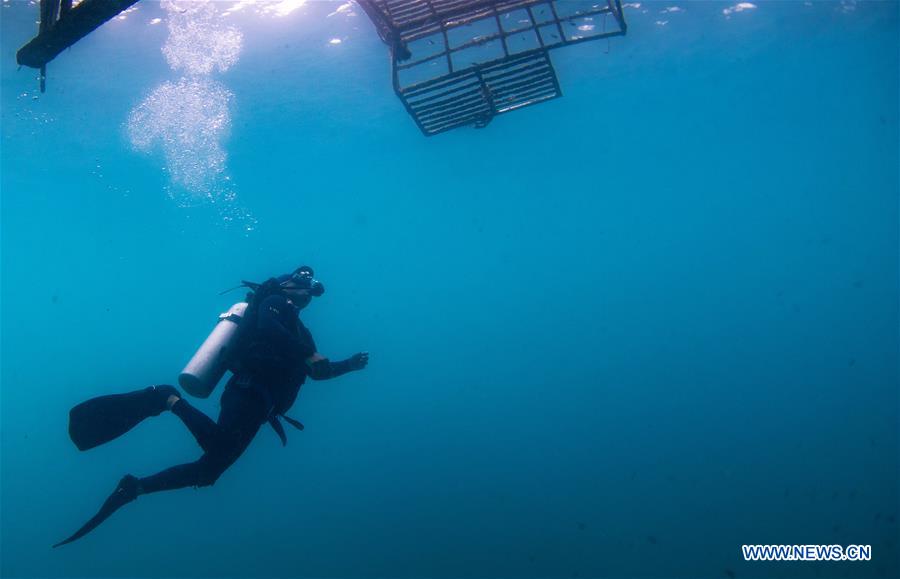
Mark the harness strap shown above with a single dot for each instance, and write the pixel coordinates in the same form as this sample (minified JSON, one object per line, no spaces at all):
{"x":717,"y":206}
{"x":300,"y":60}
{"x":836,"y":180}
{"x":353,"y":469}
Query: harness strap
{"x":279,"y":429}
{"x":295,"y":423}
{"x":249,"y":382}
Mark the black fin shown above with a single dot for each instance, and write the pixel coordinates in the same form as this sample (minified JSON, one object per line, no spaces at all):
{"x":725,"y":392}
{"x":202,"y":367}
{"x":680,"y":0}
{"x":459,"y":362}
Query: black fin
{"x":105,"y":418}
{"x":126,"y":491}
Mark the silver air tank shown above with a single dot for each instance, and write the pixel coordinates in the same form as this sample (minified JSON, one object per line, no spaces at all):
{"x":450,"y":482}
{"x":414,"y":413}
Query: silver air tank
{"x":206,"y":368}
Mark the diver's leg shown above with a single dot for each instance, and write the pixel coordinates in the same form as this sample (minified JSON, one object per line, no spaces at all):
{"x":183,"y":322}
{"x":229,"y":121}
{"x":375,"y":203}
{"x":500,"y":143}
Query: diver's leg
{"x":243,"y":412}
{"x":240,"y":409}
{"x":201,"y":426}
{"x":203,"y":472}
{"x":200,"y":473}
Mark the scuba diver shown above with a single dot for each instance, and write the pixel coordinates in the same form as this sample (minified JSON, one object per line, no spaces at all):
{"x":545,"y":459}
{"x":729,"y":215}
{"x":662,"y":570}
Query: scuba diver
{"x":269,"y":352}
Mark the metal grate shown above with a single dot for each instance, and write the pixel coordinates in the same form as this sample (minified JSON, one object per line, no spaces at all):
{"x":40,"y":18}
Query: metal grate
{"x":476,"y":95}
{"x":462,"y":62}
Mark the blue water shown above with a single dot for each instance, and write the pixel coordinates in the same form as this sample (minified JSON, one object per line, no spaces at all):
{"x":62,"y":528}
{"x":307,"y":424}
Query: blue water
{"x":618,"y":334}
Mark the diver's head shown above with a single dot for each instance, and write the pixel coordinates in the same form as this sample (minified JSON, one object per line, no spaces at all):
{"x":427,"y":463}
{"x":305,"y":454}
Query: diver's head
{"x":301,"y":286}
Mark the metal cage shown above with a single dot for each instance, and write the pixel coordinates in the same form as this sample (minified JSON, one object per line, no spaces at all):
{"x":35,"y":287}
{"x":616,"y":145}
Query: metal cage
{"x":462,"y":62}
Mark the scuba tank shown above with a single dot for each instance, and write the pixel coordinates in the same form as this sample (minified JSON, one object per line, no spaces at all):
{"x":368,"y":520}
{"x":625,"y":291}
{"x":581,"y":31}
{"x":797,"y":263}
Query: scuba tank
{"x":202,"y":374}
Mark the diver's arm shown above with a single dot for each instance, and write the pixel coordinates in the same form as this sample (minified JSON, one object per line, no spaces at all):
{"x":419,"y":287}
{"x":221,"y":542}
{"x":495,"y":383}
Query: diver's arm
{"x":321,"y":368}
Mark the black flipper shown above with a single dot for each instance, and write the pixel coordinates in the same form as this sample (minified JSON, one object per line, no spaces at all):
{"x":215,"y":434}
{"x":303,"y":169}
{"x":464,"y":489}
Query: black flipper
{"x":104,"y":418}
{"x":126,"y":491}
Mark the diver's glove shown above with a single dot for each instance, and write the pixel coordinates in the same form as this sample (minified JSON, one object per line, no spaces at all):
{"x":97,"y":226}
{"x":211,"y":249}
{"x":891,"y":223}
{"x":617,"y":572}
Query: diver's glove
{"x":358,"y":361}
{"x":323,"y":368}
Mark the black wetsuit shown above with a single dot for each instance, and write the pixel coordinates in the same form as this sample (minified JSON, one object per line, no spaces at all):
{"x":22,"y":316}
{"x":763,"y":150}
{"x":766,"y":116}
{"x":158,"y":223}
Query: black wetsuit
{"x":277,"y":358}
{"x":265,"y":385}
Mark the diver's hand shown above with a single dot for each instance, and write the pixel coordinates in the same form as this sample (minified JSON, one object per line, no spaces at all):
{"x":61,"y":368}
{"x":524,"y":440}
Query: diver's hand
{"x":359,"y":361}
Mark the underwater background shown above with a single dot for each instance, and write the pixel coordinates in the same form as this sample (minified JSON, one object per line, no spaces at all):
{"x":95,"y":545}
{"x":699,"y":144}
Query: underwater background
{"x":618,"y":334}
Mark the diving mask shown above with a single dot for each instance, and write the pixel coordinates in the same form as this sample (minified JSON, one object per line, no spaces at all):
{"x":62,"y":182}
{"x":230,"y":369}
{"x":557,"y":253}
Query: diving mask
{"x":303,"y":279}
